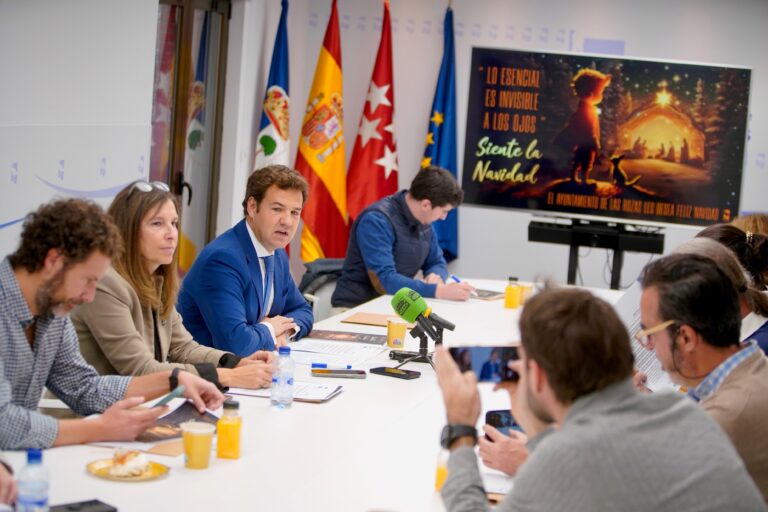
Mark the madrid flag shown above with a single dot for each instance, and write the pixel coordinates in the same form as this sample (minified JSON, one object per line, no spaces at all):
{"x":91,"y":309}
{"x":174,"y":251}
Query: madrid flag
{"x":373,"y":166}
{"x":320,"y":158}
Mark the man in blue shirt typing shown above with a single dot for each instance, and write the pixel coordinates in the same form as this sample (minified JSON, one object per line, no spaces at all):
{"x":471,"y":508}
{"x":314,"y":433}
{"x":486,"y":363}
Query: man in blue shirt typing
{"x":393,"y":239}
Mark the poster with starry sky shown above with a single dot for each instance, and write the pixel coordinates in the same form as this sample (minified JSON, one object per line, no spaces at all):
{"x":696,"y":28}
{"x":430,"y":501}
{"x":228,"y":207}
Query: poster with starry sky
{"x":604,"y":136}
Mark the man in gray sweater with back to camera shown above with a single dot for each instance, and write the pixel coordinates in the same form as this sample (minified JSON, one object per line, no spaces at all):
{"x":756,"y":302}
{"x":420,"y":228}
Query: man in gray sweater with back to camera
{"x":595,"y":443}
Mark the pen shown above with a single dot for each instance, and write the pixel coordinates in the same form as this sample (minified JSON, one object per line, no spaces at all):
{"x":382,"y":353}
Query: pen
{"x":332,"y":367}
{"x":473,"y":293}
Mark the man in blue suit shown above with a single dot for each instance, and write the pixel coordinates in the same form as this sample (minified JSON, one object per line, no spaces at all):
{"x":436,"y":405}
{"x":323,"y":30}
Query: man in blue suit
{"x":239,"y":295}
{"x":491,"y":370}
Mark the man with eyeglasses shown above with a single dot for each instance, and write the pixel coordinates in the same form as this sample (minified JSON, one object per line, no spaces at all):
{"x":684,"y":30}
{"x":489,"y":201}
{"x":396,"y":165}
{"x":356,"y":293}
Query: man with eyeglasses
{"x":595,"y":443}
{"x":239,"y":295}
{"x":690,"y":316}
{"x":65,"y":248}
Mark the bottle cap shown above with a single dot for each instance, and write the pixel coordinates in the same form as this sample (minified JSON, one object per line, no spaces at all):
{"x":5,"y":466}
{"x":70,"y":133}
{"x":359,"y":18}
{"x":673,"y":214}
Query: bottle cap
{"x":34,"y":456}
{"x":512,"y":279}
{"x":284,"y":351}
{"x":231,"y":405}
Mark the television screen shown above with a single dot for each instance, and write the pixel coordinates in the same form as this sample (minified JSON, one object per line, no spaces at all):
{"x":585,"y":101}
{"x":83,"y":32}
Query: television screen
{"x":628,"y":139}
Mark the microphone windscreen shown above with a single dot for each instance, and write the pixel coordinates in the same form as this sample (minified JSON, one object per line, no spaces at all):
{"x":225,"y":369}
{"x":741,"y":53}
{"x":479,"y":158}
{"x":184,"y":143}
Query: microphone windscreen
{"x":408,"y":304}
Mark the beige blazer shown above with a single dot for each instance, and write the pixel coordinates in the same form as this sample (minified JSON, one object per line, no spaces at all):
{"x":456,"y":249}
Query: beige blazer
{"x":117,"y":334}
{"x":740,"y":406}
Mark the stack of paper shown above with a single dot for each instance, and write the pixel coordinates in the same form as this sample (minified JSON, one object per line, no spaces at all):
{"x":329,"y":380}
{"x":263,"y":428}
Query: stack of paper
{"x":308,"y":351}
{"x":628,"y":309}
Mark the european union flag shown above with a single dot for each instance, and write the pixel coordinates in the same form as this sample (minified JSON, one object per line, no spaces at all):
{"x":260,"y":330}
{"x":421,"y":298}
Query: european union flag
{"x":441,"y":137}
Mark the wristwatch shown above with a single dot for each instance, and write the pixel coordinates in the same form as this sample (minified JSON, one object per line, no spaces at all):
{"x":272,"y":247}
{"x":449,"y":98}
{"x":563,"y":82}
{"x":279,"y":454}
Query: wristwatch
{"x":453,"y":432}
{"x":173,"y":380}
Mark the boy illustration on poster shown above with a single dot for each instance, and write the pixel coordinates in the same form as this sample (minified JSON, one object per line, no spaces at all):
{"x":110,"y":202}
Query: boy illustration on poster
{"x":582,"y":133}
{"x":610,"y":137}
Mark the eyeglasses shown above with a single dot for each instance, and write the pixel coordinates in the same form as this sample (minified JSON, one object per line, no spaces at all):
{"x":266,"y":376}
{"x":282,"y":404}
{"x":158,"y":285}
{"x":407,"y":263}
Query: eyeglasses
{"x":145,"y":186}
{"x":644,"y":336}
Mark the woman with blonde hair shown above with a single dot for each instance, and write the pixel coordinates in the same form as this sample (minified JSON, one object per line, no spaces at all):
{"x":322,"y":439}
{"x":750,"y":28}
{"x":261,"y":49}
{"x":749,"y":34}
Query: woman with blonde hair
{"x":750,"y":248}
{"x":755,"y":223}
{"x":132,"y":326}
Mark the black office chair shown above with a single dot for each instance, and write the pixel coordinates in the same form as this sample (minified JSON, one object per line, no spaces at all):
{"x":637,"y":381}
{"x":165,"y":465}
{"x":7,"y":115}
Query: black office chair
{"x":318,"y":282}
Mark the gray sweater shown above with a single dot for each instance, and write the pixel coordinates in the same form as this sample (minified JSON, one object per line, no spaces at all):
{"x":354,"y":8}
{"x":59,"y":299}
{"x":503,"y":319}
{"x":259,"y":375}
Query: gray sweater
{"x":618,"y":450}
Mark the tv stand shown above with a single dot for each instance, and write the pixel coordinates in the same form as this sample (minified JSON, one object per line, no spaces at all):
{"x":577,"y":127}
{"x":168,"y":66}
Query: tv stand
{"x":604,"y":235}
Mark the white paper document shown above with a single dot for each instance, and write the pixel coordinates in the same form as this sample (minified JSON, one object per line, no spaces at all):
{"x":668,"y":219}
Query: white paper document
{"x":495,"y":482}
{"x":628,"y":309}
{"x":308,"y":358}
{"x":302,"y":392}
{"x":336,"y":351}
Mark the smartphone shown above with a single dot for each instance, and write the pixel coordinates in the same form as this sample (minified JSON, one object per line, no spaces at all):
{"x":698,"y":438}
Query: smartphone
{"x":503,"y":421}
{"x":396,"y":372}
{"x":488,"y":363}
{"x":340,"y":373}
{"x":84,"y":506}
{"x":170,"y":396}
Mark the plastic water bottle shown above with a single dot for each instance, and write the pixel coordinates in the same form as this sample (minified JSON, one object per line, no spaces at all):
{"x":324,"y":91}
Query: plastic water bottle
{"x":281,"y":394}
{"x":32,"y":484}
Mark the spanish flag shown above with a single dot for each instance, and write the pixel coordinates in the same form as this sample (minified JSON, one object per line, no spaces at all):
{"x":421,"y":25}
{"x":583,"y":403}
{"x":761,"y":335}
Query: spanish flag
{"x":321,"y":155}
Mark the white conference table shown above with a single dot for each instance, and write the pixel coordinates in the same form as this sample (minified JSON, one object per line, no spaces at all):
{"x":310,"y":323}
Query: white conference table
{"x":372,"y":448}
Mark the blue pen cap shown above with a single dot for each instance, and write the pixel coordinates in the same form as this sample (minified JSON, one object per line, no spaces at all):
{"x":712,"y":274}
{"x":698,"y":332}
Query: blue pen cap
{"x":34,"y":456}
{"x":284,"y":351}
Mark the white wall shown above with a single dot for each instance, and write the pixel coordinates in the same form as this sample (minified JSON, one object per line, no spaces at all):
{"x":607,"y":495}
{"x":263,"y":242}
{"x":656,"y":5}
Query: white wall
{"x":493,"y":242}
{"x":75,"y":101}
{"x":77,"y":87}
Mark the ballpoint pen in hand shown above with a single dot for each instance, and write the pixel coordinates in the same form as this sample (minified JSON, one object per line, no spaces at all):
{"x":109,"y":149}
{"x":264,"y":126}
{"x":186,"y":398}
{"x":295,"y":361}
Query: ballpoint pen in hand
{"x":472,"y":293}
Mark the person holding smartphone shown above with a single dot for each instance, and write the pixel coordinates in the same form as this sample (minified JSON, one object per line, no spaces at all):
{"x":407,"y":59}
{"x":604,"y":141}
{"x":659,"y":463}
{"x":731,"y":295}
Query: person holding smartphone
{"x":132,"y":326}
{"x":613,"y":447}
{"x":503,"y":452}
{"x":65,"y":248}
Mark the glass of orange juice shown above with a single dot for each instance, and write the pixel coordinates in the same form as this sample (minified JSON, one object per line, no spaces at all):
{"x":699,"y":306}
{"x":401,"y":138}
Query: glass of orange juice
{"x":441,"y":472}
{"x":197,"y":438}
{"x":396,"y":334}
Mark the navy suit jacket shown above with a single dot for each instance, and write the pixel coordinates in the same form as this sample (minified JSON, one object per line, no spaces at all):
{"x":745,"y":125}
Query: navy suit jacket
{"x":222,"y":296}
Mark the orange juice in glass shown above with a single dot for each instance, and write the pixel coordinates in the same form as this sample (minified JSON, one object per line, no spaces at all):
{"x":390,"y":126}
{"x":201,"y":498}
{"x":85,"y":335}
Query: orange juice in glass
{"x":441,"y":473}
{"x":197,"y":438}
{"x":396,"y":334}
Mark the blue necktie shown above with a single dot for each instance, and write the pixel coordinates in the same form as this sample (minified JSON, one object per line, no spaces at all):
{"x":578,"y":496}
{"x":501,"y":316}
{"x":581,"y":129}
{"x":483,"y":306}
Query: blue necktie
{"x":269,"y":276}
